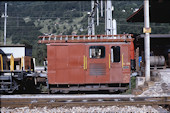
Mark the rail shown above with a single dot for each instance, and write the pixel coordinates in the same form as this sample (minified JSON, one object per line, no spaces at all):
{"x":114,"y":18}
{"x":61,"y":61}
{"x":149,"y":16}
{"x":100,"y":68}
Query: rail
{"x":77,"y":100}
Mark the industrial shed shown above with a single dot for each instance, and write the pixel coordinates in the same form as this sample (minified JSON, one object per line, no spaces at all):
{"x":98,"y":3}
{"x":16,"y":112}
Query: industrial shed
{"x":18,"y":52}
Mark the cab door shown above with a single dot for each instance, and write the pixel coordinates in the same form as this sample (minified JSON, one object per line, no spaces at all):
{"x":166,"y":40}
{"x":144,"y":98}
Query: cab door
{"x":115,"y":64}
{"x":120,"y":63}
{"x":76,"y":64}
{"x":57,"y":64}
{"x":97,"y":64}
{"x":126,"y":68}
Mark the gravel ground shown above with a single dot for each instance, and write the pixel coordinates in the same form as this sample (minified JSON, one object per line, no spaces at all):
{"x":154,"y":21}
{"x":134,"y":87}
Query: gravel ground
{"x":82,"y":109}
{"x":161,"y":87}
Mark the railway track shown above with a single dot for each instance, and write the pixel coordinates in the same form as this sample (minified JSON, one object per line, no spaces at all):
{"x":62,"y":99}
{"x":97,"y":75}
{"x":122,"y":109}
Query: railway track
{"x":31,"y":101}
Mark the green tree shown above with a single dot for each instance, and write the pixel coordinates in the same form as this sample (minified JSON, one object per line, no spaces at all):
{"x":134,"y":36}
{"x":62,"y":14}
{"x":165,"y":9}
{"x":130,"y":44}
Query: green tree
{"x":54,"y":30}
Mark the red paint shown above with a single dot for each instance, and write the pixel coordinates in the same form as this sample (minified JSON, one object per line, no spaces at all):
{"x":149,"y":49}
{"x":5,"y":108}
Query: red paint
{"x":132,"y":55}
{"x":66,"y":64}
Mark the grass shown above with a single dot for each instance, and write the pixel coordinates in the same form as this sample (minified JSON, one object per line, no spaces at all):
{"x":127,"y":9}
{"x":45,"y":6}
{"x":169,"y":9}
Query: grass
{"x":133,"y":85}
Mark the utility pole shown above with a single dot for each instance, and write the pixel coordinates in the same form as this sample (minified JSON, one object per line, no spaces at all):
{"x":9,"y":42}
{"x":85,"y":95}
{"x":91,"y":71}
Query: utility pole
{"x":91,"y":25}
{"x":97,"y":13}
{"x":114,"y":27}
{"x":5,"y":18}
{"x":108,"y":17}
{"x":110,"y":25}
{"x":101,"y":8}
{"x":147,"y":30}
{"x":80,"y":8}
{"x":92,"y":18}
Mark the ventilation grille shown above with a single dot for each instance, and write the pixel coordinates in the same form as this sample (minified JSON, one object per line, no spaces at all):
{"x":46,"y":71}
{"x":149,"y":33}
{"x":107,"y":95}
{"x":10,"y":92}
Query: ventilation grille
{"x":98,"y":69}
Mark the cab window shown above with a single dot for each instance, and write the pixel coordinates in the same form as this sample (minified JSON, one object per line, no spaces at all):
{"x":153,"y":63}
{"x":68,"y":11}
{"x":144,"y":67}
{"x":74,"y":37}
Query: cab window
{"x":97,"y":52}
{"x":115,"y":54}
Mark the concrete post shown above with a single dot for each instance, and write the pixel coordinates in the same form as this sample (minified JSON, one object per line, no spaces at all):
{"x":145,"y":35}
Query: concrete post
{"x":97,"y":13}
{"x":92,"y":19}
{"x":108,"y":18}
{"x":114,"y":27}
{"x":5,"y":17}
{"x":101,"y":8}
{"x":147,"y":40}
{"x":137,"y":59}
{"x":89,"y":24}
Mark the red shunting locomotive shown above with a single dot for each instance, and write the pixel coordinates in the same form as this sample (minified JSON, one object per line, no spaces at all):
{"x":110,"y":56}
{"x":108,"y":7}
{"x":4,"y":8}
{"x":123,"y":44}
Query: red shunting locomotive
{"x":89,"y":62}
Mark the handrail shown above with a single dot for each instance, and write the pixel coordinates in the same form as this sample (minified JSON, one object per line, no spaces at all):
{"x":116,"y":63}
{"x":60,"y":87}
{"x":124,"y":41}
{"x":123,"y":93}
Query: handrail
{"x":1,"y":58}
{"x":122,"y":60}
{"x":84,"y":62}
{"x":12,"y":63}
{"x":109,"y":60}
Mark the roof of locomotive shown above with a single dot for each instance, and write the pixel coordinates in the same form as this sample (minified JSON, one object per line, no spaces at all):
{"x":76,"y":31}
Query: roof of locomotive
{"x":85,"y":38}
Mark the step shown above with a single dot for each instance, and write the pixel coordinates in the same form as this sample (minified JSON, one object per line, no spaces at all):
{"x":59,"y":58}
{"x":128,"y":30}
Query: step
{"x":143,"y":88}
{"x":149,"y":83}
{"x":137,"y":92}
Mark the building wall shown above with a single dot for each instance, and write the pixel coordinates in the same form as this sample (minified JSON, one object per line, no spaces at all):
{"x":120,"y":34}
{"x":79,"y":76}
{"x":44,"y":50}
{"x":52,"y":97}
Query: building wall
{"x":28,"y":52}
{"x":17,"y":52}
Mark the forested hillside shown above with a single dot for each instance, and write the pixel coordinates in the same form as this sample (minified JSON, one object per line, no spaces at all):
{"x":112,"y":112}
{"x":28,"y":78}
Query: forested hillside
{"x":29,"y":19}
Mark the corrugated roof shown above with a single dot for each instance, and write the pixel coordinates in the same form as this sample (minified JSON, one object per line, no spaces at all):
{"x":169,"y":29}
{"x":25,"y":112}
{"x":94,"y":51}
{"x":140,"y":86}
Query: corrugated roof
{"x":13,"y":45}
{"x":159,"y":12}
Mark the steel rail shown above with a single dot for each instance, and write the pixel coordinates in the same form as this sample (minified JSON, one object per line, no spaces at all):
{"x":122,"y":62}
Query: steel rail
{"x":83,"y":100}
